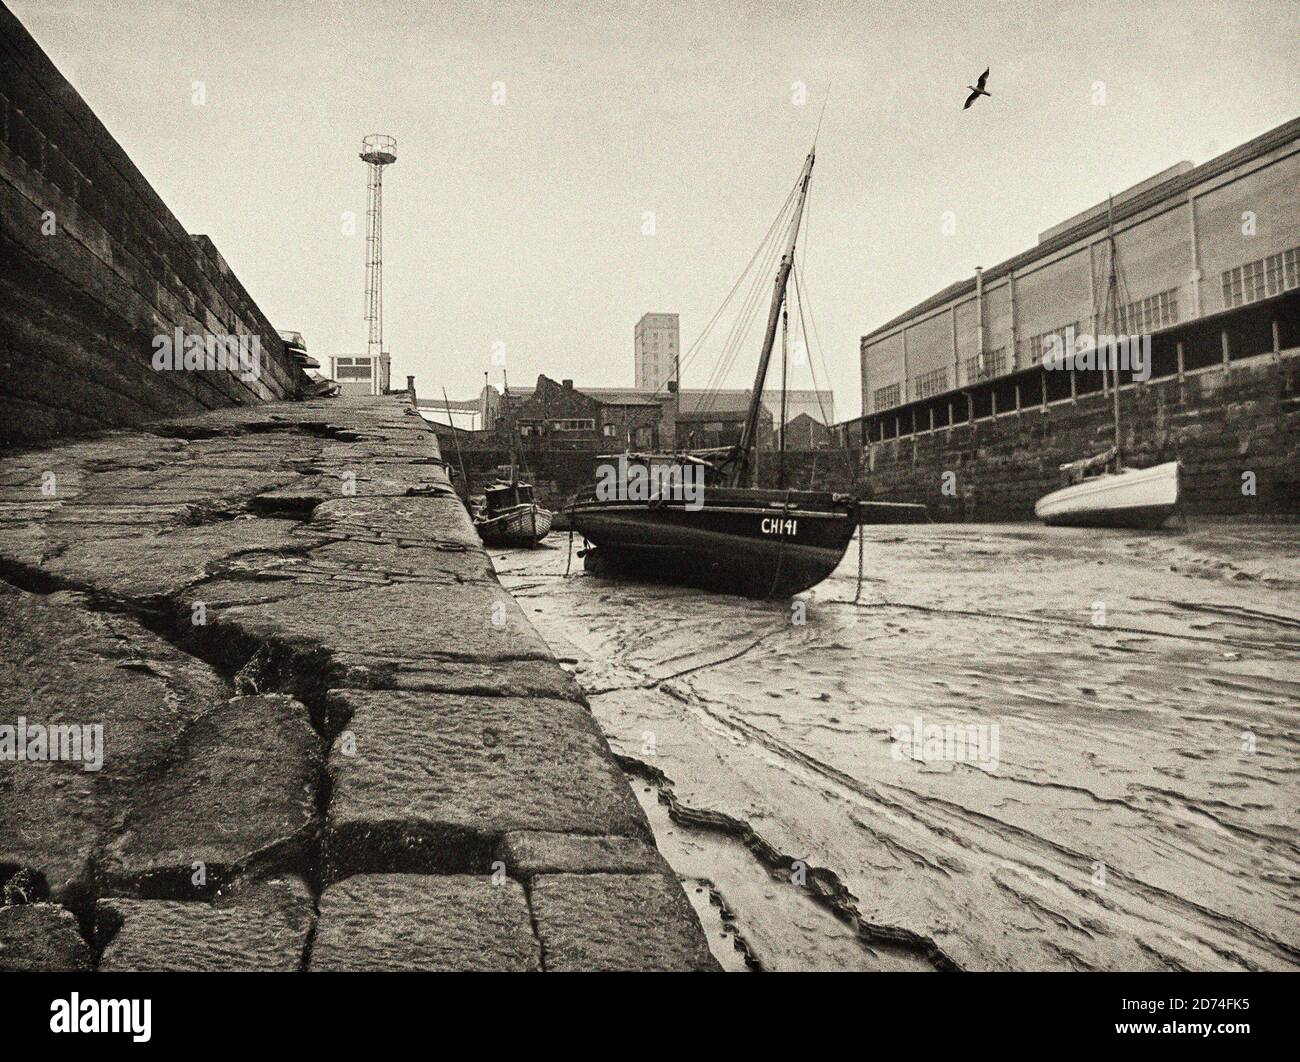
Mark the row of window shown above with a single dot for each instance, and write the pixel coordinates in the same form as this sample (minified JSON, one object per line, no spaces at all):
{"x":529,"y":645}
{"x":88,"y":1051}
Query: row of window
{"x":995,"y":363}
{"x":534,"y":427}
{"x":1036,"y":346}
{"x":1259,"y":279}
{"x":886,"y":396}
{"x":1151,"y":314}
{"x":932,"y":383}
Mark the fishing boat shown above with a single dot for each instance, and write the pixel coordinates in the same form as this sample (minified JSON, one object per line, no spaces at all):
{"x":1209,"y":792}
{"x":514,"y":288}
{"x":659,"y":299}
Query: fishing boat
{"x":728,"y":536}
{"x":509,"y":516}
{"x":1100,"y":491}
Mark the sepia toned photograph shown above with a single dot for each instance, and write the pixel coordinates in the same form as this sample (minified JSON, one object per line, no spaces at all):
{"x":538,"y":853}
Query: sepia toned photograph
{"x":650,"y":487}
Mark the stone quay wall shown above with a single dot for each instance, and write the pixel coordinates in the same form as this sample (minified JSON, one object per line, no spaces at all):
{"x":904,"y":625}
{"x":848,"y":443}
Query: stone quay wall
{"x":330,"y":739}
{"x":1220,"y":423}
{"x":95,"y":267}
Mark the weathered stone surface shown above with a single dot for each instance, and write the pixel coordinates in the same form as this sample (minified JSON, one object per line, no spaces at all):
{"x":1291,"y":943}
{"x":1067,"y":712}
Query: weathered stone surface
{"x":435,"y":779}
{"x":617,"y":922}
{"x":527,"y":854}
{"x":434,"y":922}
{"x":502,"y":678}
{"x":40,"y":937}
{"x":63,"y":664}
{"x":264,"y":926}
{"x":239,"y":792}
{"x":328,"y":554}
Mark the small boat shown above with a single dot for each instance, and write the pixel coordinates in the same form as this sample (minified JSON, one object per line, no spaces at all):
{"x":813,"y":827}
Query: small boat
{"x":1100,"y":491}
{"x":1132,"y":497}
{"x":729,"y":536}
{"x":510,"y":517}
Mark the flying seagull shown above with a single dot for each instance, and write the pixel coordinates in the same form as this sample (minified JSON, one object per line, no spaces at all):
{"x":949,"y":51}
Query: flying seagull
{"x":977,"y":90}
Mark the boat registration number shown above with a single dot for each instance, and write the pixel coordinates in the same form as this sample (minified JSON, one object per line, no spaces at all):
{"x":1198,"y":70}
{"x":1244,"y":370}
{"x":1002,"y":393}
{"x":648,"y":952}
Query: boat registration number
{"x":775,"y":526}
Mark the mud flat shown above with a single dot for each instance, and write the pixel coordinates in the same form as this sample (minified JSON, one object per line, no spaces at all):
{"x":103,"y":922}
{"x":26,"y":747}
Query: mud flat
{"x":327,"y":738}
{"x":1125,"y":798}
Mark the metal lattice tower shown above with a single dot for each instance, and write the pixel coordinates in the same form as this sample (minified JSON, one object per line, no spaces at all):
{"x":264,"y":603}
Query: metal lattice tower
{"x":377,"y":151}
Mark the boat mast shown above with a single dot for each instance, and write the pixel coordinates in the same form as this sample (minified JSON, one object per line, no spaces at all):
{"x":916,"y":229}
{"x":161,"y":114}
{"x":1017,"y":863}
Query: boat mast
{"x":785,"y":359}
{"x":745,"y":447}
{"x":1113,"y":319}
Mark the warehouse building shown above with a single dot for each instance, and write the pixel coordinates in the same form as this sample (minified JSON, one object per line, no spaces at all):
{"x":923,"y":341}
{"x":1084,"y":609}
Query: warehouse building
{"x":1200,"y":248}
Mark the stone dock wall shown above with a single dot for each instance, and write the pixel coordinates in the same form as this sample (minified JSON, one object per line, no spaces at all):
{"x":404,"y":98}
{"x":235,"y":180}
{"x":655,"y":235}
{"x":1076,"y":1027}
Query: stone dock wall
{"x":1220,"y":423}
{"x":95,"y":267}
{"x":330,"y":740}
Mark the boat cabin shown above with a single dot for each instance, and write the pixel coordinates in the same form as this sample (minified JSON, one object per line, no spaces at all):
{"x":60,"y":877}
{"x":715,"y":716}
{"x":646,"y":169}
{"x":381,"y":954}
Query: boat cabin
{"x":497,"y":497}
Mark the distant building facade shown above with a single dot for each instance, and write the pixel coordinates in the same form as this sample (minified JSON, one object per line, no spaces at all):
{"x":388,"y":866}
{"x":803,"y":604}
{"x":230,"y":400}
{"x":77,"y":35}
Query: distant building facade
{"x":656,"y":346}
{"x":360,"y":374}
{"x":807,"y":433}
{"x":1191,"y":242}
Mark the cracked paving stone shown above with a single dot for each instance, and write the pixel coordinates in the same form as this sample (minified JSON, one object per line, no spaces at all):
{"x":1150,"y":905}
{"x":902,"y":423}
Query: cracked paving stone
{"x":435,"y":779}
{"x":41,"y":938}
{"x":61,"y":663}
{"x":437,"y":922}
{"x":239,"y":792}
{"x":504,"y":678}
{"x":527,"y":854}
{"x":606,"y":922}
{"x":262,"y":926}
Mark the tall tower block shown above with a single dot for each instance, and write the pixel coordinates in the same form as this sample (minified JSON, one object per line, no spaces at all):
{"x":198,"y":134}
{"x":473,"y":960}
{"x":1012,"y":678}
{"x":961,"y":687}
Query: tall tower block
{"x":377,"y":151}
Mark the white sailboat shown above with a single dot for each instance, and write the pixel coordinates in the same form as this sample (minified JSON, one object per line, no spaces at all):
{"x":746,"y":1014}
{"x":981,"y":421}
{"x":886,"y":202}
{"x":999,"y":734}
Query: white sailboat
{"x":1101,"y":492}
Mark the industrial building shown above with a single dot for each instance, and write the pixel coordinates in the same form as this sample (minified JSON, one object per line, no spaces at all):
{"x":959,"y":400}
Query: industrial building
{"x":656,"y":344}
{"x":1192,"y":242}
{"x":361,"y":374}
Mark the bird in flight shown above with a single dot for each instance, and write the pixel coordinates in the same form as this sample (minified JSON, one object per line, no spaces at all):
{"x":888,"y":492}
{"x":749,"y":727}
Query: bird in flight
{"x":977,"y":90}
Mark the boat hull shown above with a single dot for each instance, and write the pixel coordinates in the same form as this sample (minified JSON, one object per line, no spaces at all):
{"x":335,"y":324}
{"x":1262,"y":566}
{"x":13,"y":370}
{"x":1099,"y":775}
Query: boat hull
{"x":753,"y":543}
{"x":1139,"y":498}
{"x":520,"y":525}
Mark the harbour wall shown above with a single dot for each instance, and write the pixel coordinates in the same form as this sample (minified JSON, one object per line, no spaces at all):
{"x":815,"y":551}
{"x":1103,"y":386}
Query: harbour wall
{"x":329,"y":739}
{"x":96,"y":266}
{"x":1235,"y":429}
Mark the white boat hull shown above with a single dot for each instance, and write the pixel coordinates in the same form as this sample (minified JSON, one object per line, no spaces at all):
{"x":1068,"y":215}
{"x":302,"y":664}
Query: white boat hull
{"x":1135,"y":497}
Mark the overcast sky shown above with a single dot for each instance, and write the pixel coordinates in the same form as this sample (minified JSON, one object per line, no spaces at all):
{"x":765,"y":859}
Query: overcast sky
{"x":521,"y":222}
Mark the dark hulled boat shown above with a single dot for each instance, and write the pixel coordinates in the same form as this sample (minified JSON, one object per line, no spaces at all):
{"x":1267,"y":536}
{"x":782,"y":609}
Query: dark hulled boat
{"x":510,"y":516}
{"x":760,"y":543}
{"x":735,"y":538}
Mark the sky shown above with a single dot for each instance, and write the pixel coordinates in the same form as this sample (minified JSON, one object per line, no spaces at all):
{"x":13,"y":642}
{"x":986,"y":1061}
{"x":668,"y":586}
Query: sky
{"x":533,"y":139}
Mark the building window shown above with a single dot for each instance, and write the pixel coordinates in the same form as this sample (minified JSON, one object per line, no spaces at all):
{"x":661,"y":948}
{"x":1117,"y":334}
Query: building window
{"x":995,"y":363}
{"x":573,"y":425}
{"x":529,"y":428}
{"x":359,"y":369}
{"x":1262,"y":278}
{"x":1151,"y":314}
{"x":610,"y":430}
{"x":886,"y":397}
{"x":1036,"y":346}
{"x":932,"y":383}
